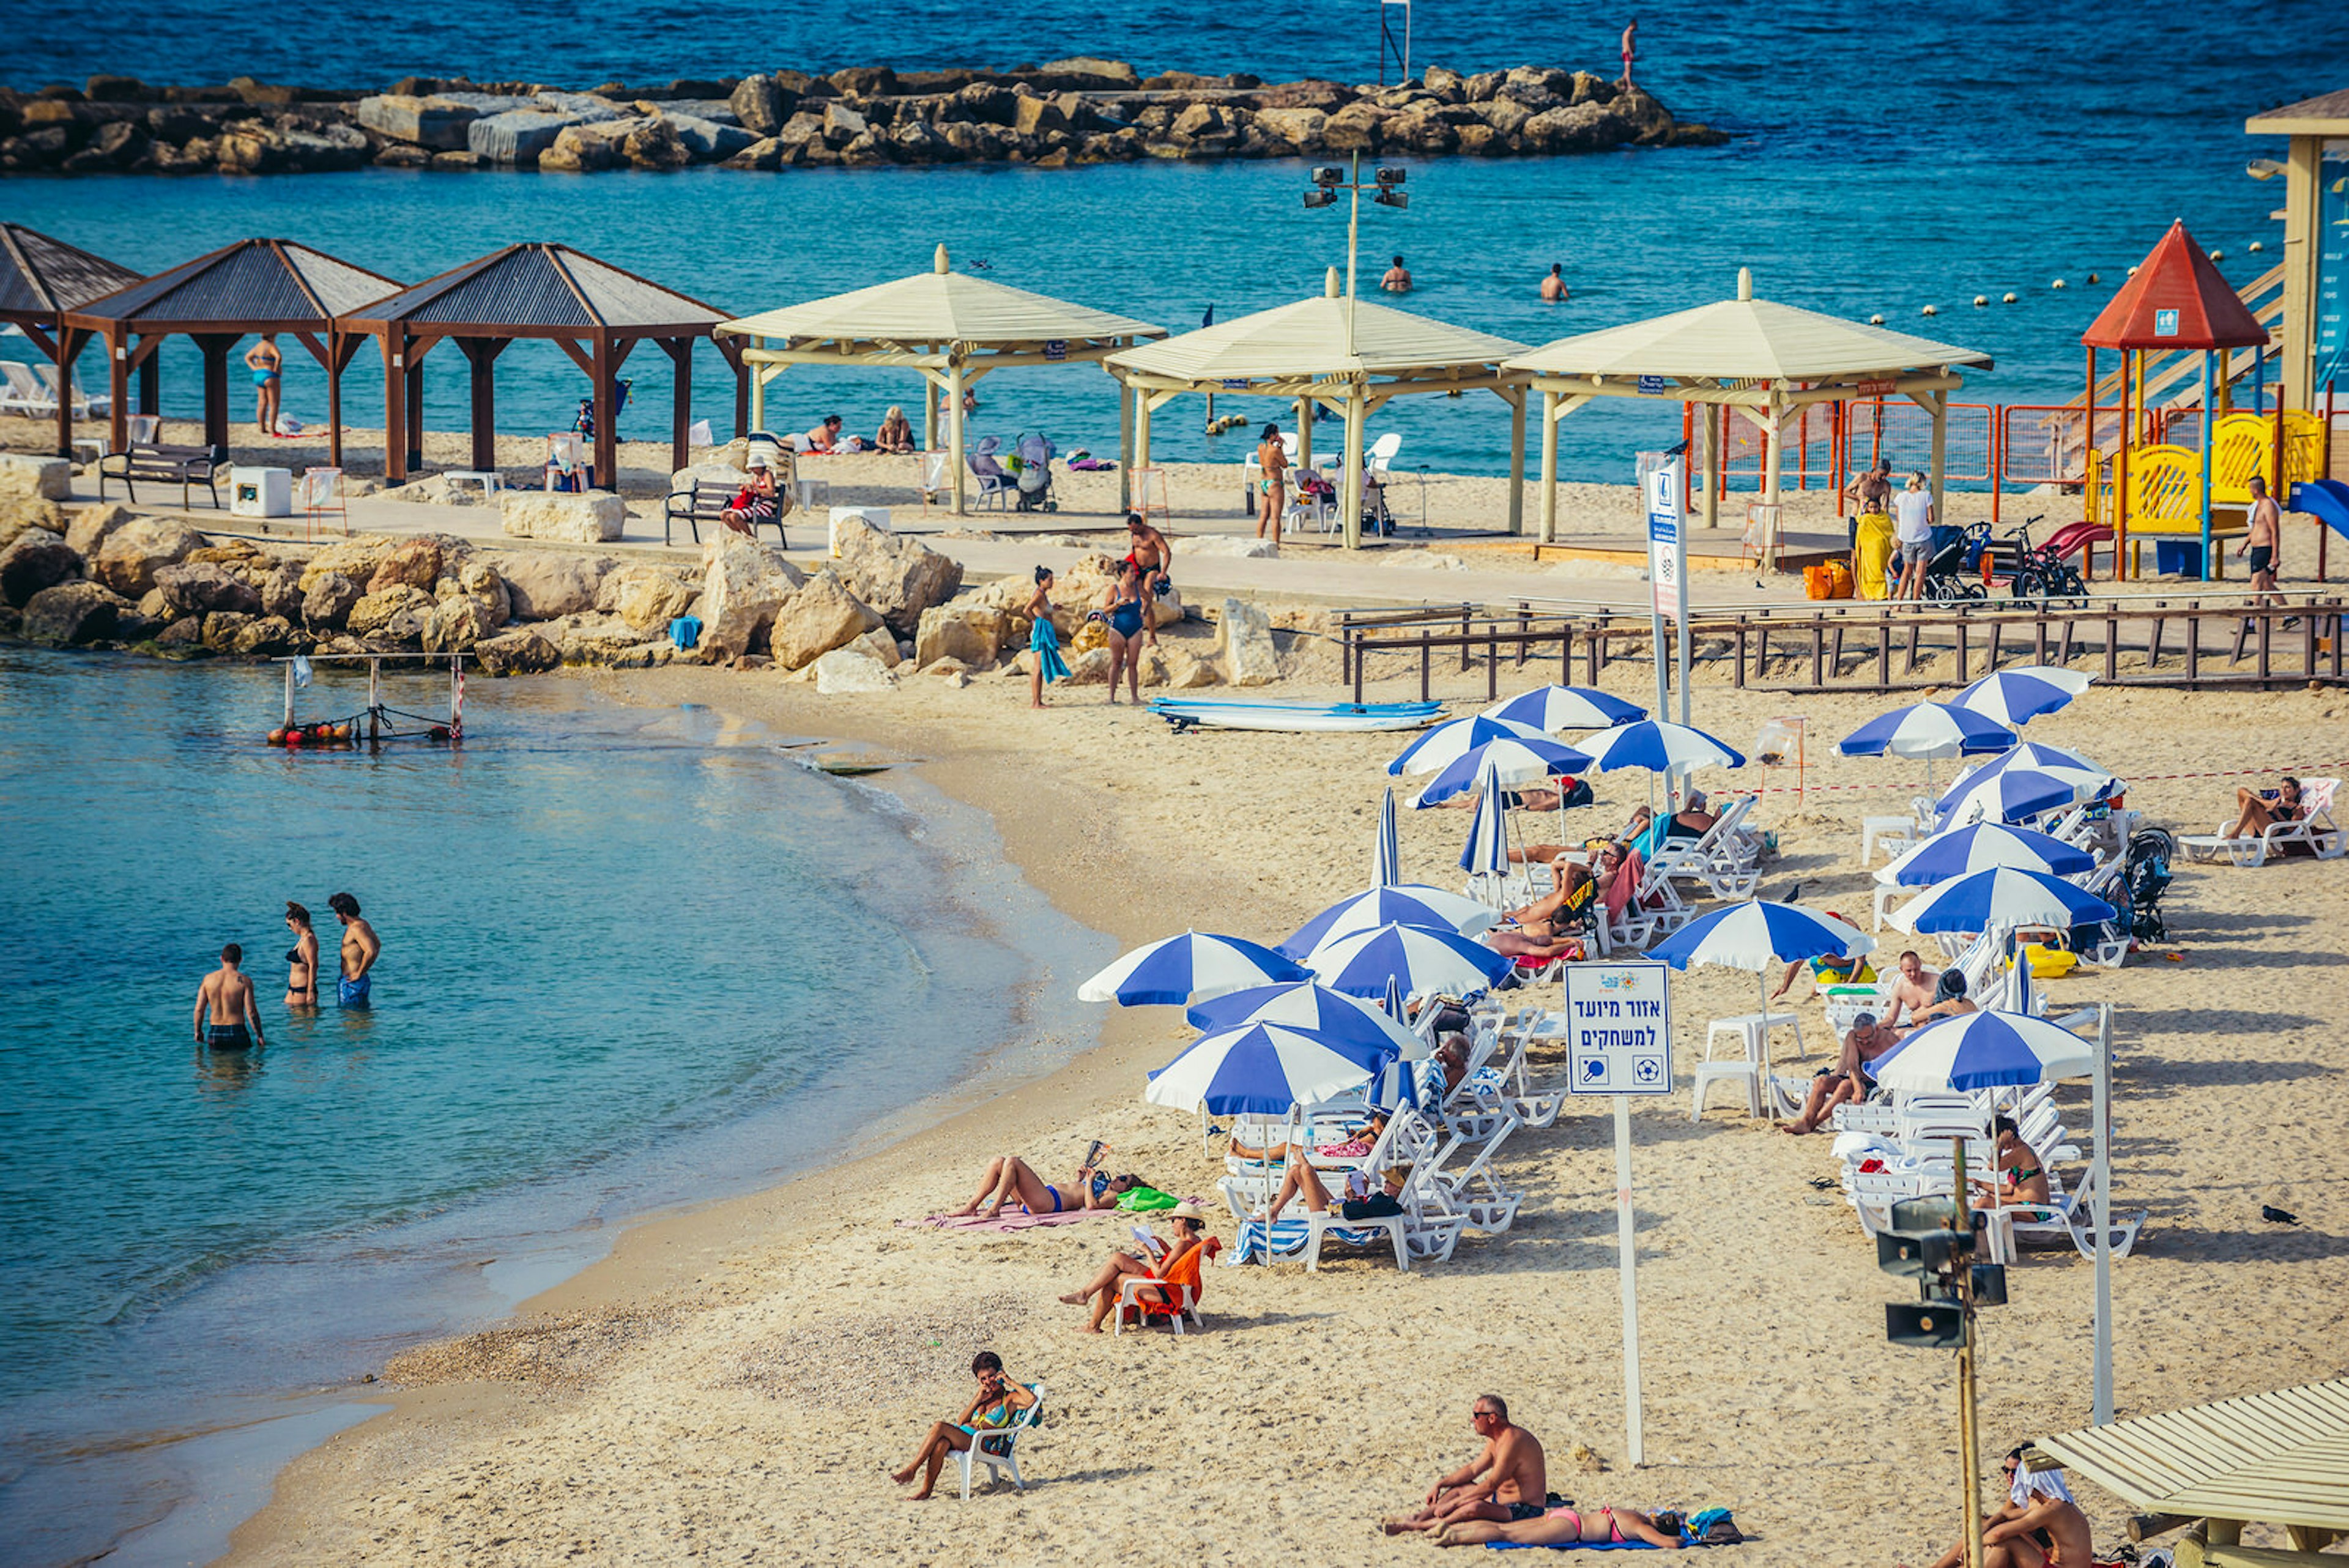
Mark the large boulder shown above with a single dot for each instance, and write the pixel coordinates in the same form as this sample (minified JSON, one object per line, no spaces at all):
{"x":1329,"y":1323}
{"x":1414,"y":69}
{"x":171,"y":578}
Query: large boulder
{"x":415,"y":562}
{"x":709,"y":141}
{"x":432,"y":122}
{"x":850,"y":670}
{"x":200,"y":588}
{"x":221,"y":629}
{"x":262,"y":638}
{"x":127,"y":561}
{"x":394,"y":615}
{"x":1246,"y":645}
{"x":72,"y":613}
{"x":328,"y":602}
{"x":653,"y":143}
{"x":520,"y":652}
{"x":481,"y":582}
{"x":24,"y":475}
{"x":280,"y":587}
{"x":743,"y":584}
{"x":455,"y":624}
{"x":821,"y":616}
{"x":543,"y":584}
{"x":592,"y":639}
{"x":898,"y":576}
{"x":970,"y":632}
{"x":645,"y":596}
{"x":516,"y":138}
{"x":34,"y":560}
{"x":1297,"y":127}
{"x":93,"y":523}
{"x":588,"y":148}
{"x":18,"y":512}
{"x":355,"y":558}
{"x":592,"y":518}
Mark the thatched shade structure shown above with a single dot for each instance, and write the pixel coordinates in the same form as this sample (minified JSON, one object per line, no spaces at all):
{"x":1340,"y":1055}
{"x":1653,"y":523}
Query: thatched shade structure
{"x":41,"y":280}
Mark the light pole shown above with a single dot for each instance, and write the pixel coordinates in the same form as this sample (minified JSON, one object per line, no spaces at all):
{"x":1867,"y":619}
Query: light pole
{"x":1385,"y":188}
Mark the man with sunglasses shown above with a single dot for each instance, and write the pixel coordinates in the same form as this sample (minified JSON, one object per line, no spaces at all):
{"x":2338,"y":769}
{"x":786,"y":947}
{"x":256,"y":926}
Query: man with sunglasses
{"x":2039,"y":1526}
{"x":1508,"y":1480}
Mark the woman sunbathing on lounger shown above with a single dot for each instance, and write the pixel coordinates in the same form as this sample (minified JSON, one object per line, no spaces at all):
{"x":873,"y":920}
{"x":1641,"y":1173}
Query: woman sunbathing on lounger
{"x":2262,"y":809}
{"x":1563,"y":1526}
{"x":1190,"y":1231}
{"x":994,"y":1407}
{"x":1012,"y":1179}
{"x":1360,"y":1203}
{"x":1353,"y":1149}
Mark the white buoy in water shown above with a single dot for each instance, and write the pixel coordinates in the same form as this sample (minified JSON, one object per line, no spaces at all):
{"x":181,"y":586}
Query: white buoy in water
{"x":1931,"y":310}
{"x":1877,"y":320}
{"x":2009,"y":299}
{"x":2132,"y":272}
{"x":2218,"y":255}
{"x":2057,"y":283}
{"x":2257,"y":245}
{"x":1980,"y":300}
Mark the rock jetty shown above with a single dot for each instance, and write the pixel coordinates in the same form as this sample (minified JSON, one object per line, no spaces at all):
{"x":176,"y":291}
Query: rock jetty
{"x":1069,"y":112}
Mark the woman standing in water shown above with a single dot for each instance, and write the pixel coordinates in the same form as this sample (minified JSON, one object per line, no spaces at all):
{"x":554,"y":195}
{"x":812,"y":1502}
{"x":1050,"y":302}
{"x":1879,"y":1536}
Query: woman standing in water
{"x":302,"y":959}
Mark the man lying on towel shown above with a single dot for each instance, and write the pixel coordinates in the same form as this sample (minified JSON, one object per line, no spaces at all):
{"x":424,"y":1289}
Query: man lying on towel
{"x":1508,"y":1480}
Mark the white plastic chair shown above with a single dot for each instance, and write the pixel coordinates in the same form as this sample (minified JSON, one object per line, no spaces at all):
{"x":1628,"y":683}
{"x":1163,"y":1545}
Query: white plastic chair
{"x":319,"y":494}
{"x":999,"y":1450}
{"x":2314,"y":827}
{"x":84,"y":405}
{"x":566,"y":461}
{"x":26,"y":393}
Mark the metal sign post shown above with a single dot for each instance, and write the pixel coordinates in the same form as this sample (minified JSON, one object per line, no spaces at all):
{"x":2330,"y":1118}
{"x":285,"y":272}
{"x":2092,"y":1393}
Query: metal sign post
{"x":1668,"y":573}
{"x":1618,"y":1041}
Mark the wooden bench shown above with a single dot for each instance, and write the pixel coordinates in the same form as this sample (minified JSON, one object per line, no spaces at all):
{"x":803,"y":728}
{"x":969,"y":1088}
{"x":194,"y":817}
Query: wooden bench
{"x":185,"y":466}
{"x":708,"y":502}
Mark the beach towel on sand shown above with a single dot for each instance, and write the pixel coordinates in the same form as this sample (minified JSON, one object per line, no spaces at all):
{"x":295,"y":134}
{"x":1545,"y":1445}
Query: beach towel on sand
{"x":1009,"y":1219}
{"x":1577,"y":1546}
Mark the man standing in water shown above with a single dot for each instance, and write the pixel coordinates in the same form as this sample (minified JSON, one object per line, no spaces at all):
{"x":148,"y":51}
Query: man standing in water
{"x":360,"y":949}
{"x":226,"y":1018}
{"x":1553,"y":287}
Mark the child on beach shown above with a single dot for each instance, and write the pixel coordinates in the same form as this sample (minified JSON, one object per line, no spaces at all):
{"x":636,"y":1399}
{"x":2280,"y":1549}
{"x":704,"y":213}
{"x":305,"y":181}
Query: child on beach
{"x":993,"y":1409}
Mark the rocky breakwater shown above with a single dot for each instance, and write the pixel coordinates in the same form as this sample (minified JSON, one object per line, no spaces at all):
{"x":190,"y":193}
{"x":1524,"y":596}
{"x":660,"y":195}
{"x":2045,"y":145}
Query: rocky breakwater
{"x":1074,"y":111}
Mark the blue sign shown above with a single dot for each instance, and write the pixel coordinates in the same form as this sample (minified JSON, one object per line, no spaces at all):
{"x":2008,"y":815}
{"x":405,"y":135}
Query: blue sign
{"x":2165,"y":324}
{"x":2331,"y":304}
{"x":1650,"y":385}
{"x":1056,"y":349}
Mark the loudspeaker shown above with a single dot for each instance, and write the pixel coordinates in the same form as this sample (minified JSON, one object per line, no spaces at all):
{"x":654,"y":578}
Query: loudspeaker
{"x":1925,"y":1326}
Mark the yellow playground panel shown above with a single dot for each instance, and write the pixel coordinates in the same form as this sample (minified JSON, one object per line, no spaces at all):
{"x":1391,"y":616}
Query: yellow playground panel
{"x":2164,"y":483}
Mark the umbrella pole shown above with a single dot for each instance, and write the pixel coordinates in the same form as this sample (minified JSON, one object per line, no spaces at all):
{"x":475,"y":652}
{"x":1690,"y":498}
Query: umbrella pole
{"x":1970,"y":1453}
{"x":1769,"y":1098}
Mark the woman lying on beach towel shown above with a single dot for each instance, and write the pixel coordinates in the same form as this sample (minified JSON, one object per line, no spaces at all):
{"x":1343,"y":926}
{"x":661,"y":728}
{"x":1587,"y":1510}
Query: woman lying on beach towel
{"x":1012,"y":1179}
{"x":1561,"y":1527}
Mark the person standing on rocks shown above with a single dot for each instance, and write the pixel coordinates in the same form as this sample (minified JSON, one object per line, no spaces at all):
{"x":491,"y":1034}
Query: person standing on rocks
{"x":1150,"y":552}
{"x":1553,"y":287}
{"x":360,"y":949}
{"x":1044,"y":640}
{"x":268,"y":368}
{"x":227,"y":1016}
{"x":1630,"y":51}
{"x":1397,"y":279}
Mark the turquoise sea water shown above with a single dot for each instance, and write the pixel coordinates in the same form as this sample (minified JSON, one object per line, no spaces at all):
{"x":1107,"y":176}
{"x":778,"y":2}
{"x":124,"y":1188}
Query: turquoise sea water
{"x":1883,"y":163}
{"x":628,"y":958}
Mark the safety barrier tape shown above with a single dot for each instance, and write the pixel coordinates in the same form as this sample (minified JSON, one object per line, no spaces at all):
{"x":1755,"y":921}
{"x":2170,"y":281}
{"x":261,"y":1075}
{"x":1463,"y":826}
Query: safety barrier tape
{"x":1919,"y":788}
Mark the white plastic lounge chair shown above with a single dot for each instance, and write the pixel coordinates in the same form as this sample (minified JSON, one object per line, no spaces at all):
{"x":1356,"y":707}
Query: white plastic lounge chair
{"x":2313,"y":828}
{"x":1720,"y":858}
{"x":26,"y":394}
{"x":2069,"y":1216}
{"x":999,"y":1450}
{"x":84,"y":405}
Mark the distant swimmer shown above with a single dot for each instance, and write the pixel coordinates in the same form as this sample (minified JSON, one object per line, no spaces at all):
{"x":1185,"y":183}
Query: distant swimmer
{"x":360,"y":949}
{"x":226,"y":1018}
{"x":1631,"y":50}
{"x":1397,"y":278}
{"x":1553,"y":288}
{"x":301,"y":959}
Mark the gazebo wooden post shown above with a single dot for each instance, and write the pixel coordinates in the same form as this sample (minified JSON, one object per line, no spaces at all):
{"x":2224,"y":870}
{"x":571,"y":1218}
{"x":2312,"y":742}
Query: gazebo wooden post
{"x":1549,"y":416}
{"x":1936,"y":404}
{"x":733,"y":357}
{"x":481,"y":354}
{"x":334,"y":397}
{"x":150,"y":379}
{"x":67,"y":348}
{"x":1125,"y":401}
{"x":214,"y":347}
{"x":954,"y":431}
{"x":680,"y":349}
{"x":1305,"y":412}
{"x":759,"y":374}
{"x":1708,"y":417}
{"x":117,"y":377}
{"x":599,"y":376}
{"x":1773,"y":465}
{"x":413,"y":400}
{"x":1352,"y":502}
{"x":1143,"y":398}
{"x":395,"y":405}
{"x":1517,"y":400}
{"x":930,"y":414}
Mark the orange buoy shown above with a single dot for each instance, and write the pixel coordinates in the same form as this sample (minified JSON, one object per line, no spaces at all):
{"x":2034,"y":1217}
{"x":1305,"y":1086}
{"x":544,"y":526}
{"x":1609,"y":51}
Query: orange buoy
{"x":292,"y":739}
{"x":276,"y":737}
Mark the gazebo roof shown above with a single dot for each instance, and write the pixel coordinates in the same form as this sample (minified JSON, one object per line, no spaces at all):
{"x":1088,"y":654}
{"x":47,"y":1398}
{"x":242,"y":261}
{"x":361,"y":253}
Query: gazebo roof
{"x":2179,"y":286}
{"x":1308,"y":340}
{"x":250,"y":286}
{"x":939,"y":306}
{"x":2275,"y":1459}
{"x":2327,"y":114}
{"x":539,"y":290}
{"x":41,"y":276}
{"x":1743,"y":339}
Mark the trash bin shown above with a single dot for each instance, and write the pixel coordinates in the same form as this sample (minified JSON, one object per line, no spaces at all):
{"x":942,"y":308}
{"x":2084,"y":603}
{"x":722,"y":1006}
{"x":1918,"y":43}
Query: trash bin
{"x":261,"y":491}
{"x":2178,"y":557}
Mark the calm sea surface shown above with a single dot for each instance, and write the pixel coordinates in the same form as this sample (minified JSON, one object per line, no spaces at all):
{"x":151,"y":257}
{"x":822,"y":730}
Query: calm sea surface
{"x":629,"y":958}
{"x":1887,"y":160}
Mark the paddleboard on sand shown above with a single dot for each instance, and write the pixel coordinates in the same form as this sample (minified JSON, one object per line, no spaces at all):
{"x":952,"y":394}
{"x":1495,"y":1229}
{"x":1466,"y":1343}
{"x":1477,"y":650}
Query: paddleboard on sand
{"x":1303,"y":718}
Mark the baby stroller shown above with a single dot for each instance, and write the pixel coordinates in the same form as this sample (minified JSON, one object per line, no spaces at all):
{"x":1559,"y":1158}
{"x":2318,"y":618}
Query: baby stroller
{"x":1953,"y":565}
{"x":1031,"y":464}
{"x":2134,"y":888}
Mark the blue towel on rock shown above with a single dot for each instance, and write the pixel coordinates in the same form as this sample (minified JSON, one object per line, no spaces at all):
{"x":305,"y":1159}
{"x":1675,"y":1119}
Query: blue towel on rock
{"x":685,"y":631}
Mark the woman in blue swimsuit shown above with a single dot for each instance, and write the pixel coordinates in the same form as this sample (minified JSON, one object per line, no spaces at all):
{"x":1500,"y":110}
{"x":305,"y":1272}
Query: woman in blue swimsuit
{"x":1122,"y":612}
{"x":267,"y":365}
{"x":1010,"y":1179}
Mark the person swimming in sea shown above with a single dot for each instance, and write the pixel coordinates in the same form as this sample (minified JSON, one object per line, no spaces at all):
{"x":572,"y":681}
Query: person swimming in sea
{"x":227,"y":1016}
{"x":361,"y":948}
{"x":301,"y":959}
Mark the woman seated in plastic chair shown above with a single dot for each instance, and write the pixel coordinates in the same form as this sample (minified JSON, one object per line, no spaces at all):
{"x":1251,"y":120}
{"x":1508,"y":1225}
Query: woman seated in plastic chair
{"x":1012,"y":1179}
{"x":1166,"y":1257}
{"x":1828,"y":969}
{"x":994,"y":1407}
{"x":2261,"y":809}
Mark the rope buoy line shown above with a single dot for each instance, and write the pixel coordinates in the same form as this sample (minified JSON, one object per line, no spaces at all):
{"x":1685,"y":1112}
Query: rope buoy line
{"x":344,"y":734}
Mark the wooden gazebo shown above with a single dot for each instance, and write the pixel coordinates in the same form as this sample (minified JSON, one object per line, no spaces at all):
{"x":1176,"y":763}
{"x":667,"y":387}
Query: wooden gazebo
{"x":41,"y":280}
{"x":252,"y":286}
{"x":593,"y":311}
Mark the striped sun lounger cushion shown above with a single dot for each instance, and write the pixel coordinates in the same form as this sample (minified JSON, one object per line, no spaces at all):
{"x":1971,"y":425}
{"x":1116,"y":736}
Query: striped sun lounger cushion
{"x":1260,"y":1243}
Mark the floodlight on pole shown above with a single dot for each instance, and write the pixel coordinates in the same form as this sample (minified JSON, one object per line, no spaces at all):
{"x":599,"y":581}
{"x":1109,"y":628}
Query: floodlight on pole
{"x":1328,"y":181}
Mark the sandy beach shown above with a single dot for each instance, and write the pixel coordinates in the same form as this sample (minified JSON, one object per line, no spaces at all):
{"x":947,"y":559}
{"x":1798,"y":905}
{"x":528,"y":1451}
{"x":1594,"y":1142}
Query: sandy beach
{"x":734,"y":1382}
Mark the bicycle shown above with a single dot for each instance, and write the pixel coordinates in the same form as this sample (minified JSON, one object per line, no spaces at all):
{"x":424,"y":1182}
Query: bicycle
{"x":2040,"y":573}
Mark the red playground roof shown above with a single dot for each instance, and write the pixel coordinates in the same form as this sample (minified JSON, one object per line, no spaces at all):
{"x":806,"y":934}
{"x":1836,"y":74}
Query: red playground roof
{"x":2175,"y":300}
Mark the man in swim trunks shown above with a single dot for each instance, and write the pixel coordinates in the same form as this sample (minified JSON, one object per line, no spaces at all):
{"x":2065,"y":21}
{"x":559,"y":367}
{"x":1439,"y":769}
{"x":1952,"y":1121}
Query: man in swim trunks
{"x":1847,"y":1082}
{"x":1872,"y":490}
{"x":1151,"y":555}
{"x":1508,"y":1480}
{"x":1912,"y":988}
{"x":360,"y":949}
{"x":2263,"y":539}
{"x":227,"y":1016}
{"x":2038,"y":1526}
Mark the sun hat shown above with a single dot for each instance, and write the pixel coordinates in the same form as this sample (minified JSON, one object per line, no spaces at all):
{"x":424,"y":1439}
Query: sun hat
{"x":1186,"y":1209}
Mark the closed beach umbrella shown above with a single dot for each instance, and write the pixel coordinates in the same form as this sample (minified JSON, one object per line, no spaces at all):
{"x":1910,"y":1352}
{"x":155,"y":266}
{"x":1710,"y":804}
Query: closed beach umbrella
{"x":1408,"y":905}
{"x":1980,"y":847}
{"x":1548,"y":708}
{"x":2019,"y":695}
{"x":1183,"y":969}
{"x":2001,"y":896}
{"x":1514,"y":762}
{"x":1758,"y":935}
{"x":1261,"y":1069}
{"x":1486,"y":853}
{"x":1446,"y":743}
{"x":1983,"y":1050}
{"x":2007,"y":795}
{"x":1658,"y":746}
{"x":1387,"y":869}
{"x":1927,"y":730}
{"x":1314,"y":1008}
{"x":1422,"y":960}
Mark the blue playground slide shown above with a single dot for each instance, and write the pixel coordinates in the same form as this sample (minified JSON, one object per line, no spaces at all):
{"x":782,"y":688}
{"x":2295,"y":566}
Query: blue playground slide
{"x":2323,"y":498}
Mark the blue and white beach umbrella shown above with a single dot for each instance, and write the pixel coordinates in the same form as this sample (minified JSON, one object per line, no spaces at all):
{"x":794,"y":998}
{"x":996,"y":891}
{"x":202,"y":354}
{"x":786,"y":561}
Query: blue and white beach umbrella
{"x":1487,"y":849}
{"x":1980,"y":847}
{"x":1262,"y":1069}
{"x":2002,"y":896}
{"x":1515,"y":762}
{"x":1658,"y":746}
{"x":1314,"y":1008}
{"x":1422,"y":960}
{"x":2090,"y":778}
{"x":2002,"y":795}
{"x":1927,"y":730}
{"x":1446,"y":743}
{"x":1183,"y":969}
{"x":1408,"y":905}
{"x":1758,"y":935}
{"x":2019,"y":695}
{"x":1548,"y":708}
{"x":1983,"y":1050}
{"x":1387,"y":868}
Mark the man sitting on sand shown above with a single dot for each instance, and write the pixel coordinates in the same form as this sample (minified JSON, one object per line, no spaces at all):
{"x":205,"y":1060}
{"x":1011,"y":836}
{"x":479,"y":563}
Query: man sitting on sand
{"x":2038,"y":1526}
{"x":1845,"y":1082}
{"x":1508,"y":1481}
{"x":1564,"y":1526}
{"x":226,"y":996}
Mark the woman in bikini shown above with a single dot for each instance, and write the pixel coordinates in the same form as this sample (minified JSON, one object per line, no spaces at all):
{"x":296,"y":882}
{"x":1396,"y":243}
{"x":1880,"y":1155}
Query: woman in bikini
{"x":1044,"y":640}
{"x":1190,"y":1233}
{"x":896,"y":432}
{"x":994,"y":1407}
{"x":302,"y":959}
{"x":1563,"y":1526}
{"x":1272,"y":489}
{"x":2022,"y":1174}
{"x":1120,"y":615}
{"x":1012,"y":1179}
{"x":268,"y":368}
{"x":2262,"y":809}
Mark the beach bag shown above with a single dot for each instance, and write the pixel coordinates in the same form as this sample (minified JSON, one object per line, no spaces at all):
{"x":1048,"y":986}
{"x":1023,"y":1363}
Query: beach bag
{"x":1840,"y":584}
{"x":1713,"y":1527}
{"x":1817,"y":583}
{"x":1144,"y":1199}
